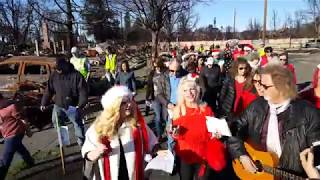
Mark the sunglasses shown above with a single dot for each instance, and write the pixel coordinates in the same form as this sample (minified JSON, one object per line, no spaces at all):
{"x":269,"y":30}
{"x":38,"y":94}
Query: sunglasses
{"x":283,"y":59}
{"x":173,"y":71}
{"x":266,"y":87}
{"x":256,"y":81}
{"x":242,"y":68}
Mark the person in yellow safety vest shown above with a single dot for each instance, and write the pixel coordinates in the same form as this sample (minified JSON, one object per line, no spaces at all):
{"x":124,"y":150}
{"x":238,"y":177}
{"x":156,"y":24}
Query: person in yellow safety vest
{"x":81,"y":64}
{"x":111,"y":61}
{"x":261,"y":50}
{"x":201,"y":48}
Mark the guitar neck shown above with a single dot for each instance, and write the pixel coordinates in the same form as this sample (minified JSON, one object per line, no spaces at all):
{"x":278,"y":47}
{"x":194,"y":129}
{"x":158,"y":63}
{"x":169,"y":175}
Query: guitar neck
{"x":280,"y":173}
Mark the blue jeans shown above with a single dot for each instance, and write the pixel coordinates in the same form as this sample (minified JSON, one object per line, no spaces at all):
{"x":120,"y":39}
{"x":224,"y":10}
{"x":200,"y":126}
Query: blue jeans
{"x":69,"y":114}
{"x":11,"y":146}
{"x":160,"y":115}
{"x":170,"y":141}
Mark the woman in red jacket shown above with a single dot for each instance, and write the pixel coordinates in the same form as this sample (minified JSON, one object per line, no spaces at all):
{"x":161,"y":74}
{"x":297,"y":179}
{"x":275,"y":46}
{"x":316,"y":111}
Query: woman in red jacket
{"x":12,"y":128}
{"x":200,"y":152}
{"x":313,"y":94}
{"x":252,"y":90}
{"x":283,"y":57}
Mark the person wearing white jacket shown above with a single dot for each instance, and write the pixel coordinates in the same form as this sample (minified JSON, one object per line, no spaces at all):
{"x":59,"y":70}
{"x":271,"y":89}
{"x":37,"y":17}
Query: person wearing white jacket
{"x":119,"y":140}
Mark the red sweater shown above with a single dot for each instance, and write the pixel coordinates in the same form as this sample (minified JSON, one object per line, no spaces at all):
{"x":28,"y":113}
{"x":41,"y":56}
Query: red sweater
{"x":194,"y":143}
{"x":247,"y":98}
{"x":291,"y":68}
{"x":10,"y":121}
{"x":310,"y":96}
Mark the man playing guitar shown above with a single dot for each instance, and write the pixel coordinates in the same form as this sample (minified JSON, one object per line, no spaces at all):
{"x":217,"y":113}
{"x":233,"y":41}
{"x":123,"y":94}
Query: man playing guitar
{"x":278,"y":122}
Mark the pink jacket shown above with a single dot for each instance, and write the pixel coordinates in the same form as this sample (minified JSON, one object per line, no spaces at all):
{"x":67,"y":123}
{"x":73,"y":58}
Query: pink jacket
{"x":10,"y":120}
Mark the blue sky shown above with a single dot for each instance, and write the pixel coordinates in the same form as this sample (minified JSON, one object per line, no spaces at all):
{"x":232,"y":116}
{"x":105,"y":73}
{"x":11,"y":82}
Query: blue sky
{"x":245,"y":9}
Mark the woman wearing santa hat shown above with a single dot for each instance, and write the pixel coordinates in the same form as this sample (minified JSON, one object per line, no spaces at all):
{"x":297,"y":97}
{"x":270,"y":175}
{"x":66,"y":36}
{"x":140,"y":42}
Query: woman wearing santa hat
{"x":119,"y":139}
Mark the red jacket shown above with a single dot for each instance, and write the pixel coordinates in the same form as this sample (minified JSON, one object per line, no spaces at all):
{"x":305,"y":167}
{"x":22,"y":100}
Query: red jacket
{"x":247,"y":98}
{"x":291,"y":68}
{"x":310,"y":96}
{"x":10,"y":120}
{"x":194,"y":142}
{"x":264,"y":60}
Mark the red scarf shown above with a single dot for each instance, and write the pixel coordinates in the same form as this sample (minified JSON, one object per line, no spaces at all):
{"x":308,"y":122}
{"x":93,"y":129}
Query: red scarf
{"x":140,"y":137}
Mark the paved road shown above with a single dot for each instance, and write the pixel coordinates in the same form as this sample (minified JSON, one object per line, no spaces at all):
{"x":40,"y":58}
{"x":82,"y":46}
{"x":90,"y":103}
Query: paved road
{"x":47,"y":139}
{"x":305,"y":65}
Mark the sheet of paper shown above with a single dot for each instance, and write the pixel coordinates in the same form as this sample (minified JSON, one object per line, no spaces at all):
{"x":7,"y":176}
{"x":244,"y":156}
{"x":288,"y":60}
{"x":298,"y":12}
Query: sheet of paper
{"x":64,"y":138}
{"x":215,"y":125}
{"x":163,"y":162}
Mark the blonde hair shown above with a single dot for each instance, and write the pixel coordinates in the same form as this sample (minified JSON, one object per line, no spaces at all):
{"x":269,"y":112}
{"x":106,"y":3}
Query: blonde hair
{"x":180,"y":108}
{"x":106,"y":123}
{"x":282,"y":79}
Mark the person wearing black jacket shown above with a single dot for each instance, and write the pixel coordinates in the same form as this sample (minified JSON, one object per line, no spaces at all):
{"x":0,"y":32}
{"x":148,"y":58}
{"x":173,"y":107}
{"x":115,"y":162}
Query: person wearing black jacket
{"x":210,"y":82}
{"x":232,"y":88}
{"x":70,"y":92}
{"x":159,"y":110}
{"x":278,"y":122}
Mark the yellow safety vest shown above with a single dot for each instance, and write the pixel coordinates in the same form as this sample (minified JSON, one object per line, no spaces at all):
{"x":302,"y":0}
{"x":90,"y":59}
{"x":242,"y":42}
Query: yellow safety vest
{"x":111,"y":63}
{"x":261,"y":52}
{"x":79,"y":64}
{"x":201,"y":49}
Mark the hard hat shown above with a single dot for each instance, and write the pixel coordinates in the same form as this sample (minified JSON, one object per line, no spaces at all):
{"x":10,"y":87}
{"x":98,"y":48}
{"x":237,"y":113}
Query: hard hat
{"x":74,"y":50}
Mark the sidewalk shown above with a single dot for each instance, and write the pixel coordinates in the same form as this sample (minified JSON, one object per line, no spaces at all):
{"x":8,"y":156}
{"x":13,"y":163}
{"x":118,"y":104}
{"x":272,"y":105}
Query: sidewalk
{"x":44,"y":145}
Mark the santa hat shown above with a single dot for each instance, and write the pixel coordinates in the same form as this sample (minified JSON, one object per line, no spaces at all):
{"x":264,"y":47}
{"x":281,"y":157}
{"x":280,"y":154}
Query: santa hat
{"x":215,"y":53}
{"x":112,"y":94}
{"x":246,"y":48}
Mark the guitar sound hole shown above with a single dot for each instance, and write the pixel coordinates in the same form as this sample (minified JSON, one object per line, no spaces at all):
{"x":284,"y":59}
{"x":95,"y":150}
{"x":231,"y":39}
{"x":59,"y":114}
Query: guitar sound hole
{"x":259,"y":165}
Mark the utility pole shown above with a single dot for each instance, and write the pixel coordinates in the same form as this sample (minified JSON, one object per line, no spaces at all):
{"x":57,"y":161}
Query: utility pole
{"x":234,"y":23}
{"x":265,"y":21}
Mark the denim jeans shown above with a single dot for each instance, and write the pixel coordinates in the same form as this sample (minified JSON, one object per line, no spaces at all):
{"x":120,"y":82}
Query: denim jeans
{"x":170,"y":141}
{"x":12,"y":145}
{"x":160,"y":115}
{"x":69,"y":114}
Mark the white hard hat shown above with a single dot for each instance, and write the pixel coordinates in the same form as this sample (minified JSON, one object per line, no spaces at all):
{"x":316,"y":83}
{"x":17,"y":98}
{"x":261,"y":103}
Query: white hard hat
{"x":74,"y":50}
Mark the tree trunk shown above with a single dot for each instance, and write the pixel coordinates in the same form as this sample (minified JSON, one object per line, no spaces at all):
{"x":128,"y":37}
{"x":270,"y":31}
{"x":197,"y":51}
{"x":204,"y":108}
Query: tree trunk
{"x":69,"y":25}
{"x":154,"y":47}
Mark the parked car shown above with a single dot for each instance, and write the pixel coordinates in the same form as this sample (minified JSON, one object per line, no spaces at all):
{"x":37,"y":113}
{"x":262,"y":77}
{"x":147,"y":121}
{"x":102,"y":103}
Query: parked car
{"x":314,"y":43}
{"x":18,"y":70}
{"x":23,"y":79}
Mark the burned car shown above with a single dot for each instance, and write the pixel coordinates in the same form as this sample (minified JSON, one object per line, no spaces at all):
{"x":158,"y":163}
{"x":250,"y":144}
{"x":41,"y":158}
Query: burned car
{"x":23,"y":79}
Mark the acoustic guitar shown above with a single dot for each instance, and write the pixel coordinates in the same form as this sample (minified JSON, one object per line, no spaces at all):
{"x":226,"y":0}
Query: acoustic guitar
{"x":266,"y":163}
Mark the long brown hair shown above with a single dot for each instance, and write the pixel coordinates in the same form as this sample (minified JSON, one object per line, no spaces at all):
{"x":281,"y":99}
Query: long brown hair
{"x":234,"y":67}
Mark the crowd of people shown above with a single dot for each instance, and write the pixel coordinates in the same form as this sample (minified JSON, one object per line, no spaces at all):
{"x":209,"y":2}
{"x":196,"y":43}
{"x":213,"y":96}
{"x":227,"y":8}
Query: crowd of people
{"x":255,"y":91}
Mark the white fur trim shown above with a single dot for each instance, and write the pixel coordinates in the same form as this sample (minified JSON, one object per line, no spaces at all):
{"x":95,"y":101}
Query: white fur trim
{"x":215,"y":53}
{"x":126,"y":136}
{"x":318,"y":66}
{"x":112,"y":94}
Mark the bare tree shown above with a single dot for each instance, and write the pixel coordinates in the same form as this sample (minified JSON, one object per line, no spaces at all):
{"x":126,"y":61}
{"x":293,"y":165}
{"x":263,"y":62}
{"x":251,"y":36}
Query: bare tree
{"x":275,"y":20}
{"x":153,"y":14}
{"x":314,"y":12}
{"x":15,"y":20}
{"x":65,"y":10}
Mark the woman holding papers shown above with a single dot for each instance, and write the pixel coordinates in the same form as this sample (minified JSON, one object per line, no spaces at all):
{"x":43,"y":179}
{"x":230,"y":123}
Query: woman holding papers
{"x":200,"y":153}
{"x":118,"y":140}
